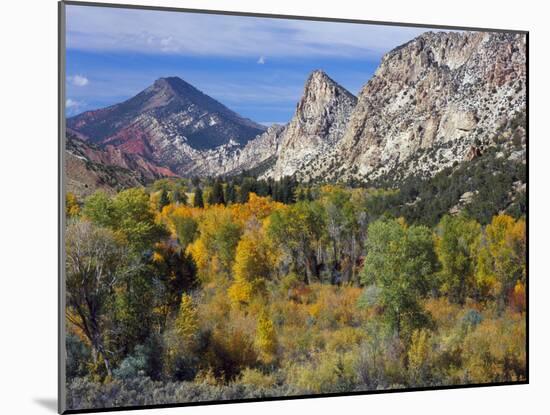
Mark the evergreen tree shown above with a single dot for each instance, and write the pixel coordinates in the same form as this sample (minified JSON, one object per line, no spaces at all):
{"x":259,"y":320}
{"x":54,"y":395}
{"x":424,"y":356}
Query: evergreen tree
{"x":216,"y":196}
{"x":163,"y":200}
{"x":230,"y":193}
{"x":262,"y":188}
{"x":197,"y":199}
{"x":244,"y":190}
{"x":178,"y":196}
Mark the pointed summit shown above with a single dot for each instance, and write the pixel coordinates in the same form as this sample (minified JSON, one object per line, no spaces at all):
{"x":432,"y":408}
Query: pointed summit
{"x":319,"y":122}
{"x":169,"y":111}
{"x":320,"y":92}
{"x":319,"y":76}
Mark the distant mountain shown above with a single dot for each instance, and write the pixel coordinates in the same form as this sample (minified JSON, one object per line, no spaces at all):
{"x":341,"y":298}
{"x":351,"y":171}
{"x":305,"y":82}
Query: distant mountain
{"x":437,"y":101}
{"x":167,"y":124}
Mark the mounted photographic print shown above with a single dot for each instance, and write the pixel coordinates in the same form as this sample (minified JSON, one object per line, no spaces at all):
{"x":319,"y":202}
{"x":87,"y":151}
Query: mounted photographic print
{"x":258,"y":207}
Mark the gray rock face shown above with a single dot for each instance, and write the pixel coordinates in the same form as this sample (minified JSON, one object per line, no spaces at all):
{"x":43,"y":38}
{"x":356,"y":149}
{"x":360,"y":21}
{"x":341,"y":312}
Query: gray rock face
{"x":233,"y":159}
{"x":439,"y":92}
{"x":318,"y":124}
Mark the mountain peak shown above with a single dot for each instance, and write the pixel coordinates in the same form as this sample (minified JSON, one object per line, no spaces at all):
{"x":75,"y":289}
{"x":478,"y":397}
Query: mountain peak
{"x":320,"y":77}
{"x":319,"y":73}
{"x":318,"y":123}
{"x":320,"y":88}
{"x":172,"y":81}
{"x":171,"y":111}
{"x":175,"y":86}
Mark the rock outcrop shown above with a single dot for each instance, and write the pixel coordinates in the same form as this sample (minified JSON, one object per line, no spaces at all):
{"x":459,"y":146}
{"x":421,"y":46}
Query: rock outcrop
{"x":318,"y":124}
{"x":428,"y":103}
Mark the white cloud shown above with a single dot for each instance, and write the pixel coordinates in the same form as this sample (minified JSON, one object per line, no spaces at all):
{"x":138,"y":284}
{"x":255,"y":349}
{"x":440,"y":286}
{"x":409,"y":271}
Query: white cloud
{"x":261,"y":60}
{"x":71,"y":103}
{"x":73,"y":106}
{"x":146,"y":31}
{"x":78,"y":80}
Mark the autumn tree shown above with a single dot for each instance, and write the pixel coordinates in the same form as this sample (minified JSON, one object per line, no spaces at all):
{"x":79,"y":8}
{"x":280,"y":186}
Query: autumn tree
{"x":502,"y":254}
{"x":253,"y":265}
{"x":418,"y":357}
{"x":72,"y":208}
{"x":298,"y":230}
{"x":98,"y":207}
{"x":180,"y":341}
{"x":456,"y":237}
{"x":401,"y":262}
{"x":214,"y":249}
{"x":266,"y":338}
{"x":187,"y":323}
{"x":94,"y":261}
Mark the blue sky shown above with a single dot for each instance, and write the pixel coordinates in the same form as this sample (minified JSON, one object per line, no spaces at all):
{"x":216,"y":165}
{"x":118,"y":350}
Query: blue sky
{"x":255,"y":66}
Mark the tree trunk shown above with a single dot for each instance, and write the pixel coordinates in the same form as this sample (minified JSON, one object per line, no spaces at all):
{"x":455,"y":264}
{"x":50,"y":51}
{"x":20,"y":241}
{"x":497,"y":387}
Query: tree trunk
{"x":99,"y":350}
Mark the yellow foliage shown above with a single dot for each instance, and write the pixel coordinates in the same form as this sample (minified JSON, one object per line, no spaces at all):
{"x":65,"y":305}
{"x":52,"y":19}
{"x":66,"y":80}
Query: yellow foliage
{"x":502,"y":256}
{"x":266,"y":338}
{"x":253,"y":265}
{"x":403,"y":222}
{"x":257,"y":207}
{"x":419,"y":350}
{"x":344,"y":339}
{"x":327,"y":372}
{"x":334,"y":305}
{"x":240,"y":292}
{"x":253,"y":377}
{"x":157,"y":257}
{"x":187,"y":323}
{"x":154,"y":199}
{"x":201,"y":257}
{"x":170,"y":213}
{"x":495,"y":351}
{"x":71,"y":205}
{"x":518,"y":298}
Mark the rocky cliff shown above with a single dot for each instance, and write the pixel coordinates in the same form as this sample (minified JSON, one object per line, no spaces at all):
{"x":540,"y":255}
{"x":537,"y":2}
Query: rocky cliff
{"x":432,"y":102}
{"x":318,"y":124}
